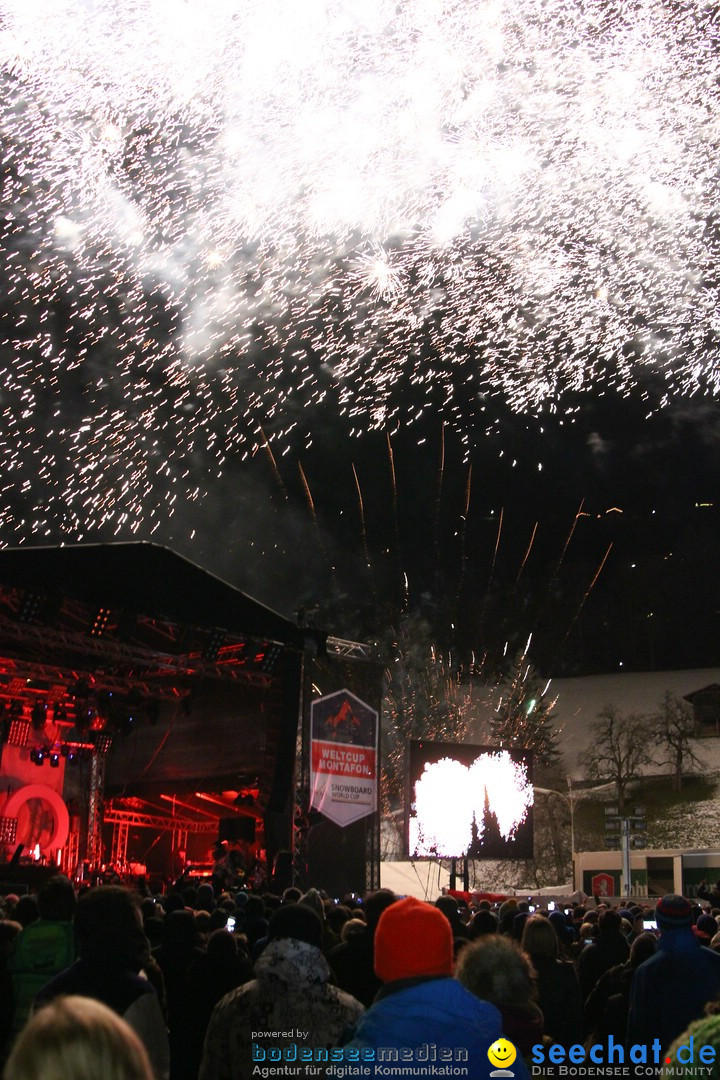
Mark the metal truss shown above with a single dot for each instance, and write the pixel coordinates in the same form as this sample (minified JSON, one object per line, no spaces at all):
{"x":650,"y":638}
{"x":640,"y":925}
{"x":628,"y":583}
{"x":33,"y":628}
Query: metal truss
{"x":94,"y":821}
{"x":135,"y":819}
{"x":123,"y":820}
{"x":350,"y":650}
{"x":153,"y":666}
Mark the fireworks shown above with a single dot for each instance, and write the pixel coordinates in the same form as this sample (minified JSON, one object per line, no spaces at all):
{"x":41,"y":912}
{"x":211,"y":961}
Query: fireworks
{"x":452,"y":801}
{"x":223,"y":219}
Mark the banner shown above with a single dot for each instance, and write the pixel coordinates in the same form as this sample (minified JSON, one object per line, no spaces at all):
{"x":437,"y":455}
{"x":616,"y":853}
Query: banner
{"x":343,"y":757}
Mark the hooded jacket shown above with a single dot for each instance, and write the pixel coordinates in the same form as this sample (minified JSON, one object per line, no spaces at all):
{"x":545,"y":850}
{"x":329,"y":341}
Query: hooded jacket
{"x":289,"y":1003}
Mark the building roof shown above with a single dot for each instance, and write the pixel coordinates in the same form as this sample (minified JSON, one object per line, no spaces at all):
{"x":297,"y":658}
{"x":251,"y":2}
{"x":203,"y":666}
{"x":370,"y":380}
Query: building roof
{"x":703,"y":691}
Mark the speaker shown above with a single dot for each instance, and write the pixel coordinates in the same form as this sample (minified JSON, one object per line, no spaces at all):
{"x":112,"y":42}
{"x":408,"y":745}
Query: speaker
{"x":282,"y":874}
{"x":237,"y":828}
{"x":335,"y":857}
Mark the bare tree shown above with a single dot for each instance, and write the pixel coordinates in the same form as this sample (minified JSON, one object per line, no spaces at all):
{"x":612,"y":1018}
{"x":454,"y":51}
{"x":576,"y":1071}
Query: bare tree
{"x":620,"y":747}
{"x":674,"y":727}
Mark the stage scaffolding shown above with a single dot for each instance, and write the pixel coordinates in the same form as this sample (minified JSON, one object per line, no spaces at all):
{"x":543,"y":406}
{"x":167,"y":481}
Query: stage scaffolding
{"x":124,"y":820}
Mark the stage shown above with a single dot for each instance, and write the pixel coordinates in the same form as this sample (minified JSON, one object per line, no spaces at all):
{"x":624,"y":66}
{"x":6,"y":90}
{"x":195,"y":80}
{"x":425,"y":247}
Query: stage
{"x":151,"y":712}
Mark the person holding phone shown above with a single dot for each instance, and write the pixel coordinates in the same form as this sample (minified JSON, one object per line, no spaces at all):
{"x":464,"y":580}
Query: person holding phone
{"x":609,"y":948}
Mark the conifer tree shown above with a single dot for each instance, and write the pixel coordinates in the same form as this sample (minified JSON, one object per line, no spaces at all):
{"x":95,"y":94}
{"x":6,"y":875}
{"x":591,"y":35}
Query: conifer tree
{"x":523,"y":718}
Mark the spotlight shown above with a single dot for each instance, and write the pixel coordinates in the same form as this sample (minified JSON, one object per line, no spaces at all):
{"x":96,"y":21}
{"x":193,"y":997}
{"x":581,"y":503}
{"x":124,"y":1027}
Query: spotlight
{"x":31,"y":606}
{"x":38,"y":715}
{"x":18,"y":733}
{"x":271,"y":657}
{"x":84,"y":716}
{"x":105,"y":703}
{"x":100,"y":622}
{"x":54,"y":760}
{"x":37,"y":755}
{"x":127,"y":714}
{"x":98,"y":723}
{"x":213,"y":645}
{"x":102,"y":741}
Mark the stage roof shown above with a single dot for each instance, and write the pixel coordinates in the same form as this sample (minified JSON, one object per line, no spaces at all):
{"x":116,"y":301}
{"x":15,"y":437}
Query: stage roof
{"x":148,"y":578}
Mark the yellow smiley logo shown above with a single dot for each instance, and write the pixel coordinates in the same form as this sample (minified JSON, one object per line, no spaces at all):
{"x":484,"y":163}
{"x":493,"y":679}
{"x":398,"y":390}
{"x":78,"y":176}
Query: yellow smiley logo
{"x":502,"y":1053}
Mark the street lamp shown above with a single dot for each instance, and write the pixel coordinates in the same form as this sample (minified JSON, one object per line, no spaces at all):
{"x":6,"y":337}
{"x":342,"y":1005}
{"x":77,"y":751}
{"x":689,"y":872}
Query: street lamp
{"x":571,"y":798}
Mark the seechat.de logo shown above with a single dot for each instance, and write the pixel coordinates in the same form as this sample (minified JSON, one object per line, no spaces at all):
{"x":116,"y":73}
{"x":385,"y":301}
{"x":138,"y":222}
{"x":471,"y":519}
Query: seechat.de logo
{"x":501,"y":1054}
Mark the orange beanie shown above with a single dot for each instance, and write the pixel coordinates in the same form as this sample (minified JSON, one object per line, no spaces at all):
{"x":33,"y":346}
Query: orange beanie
{"x":412,"y":938}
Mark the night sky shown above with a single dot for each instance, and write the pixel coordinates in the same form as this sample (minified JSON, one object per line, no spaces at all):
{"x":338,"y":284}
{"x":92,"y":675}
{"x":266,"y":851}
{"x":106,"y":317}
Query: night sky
{"x":608,"y":554}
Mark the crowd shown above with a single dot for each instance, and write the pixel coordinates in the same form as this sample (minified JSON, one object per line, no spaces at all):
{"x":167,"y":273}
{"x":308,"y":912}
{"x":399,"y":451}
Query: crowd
{"x":192,"y":985}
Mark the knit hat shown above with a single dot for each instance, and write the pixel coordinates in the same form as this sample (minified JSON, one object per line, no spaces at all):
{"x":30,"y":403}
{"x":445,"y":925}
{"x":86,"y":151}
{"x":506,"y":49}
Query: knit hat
{"x":412,"y":939}
{"x":296,"y":921}
{"x":673,"y":913}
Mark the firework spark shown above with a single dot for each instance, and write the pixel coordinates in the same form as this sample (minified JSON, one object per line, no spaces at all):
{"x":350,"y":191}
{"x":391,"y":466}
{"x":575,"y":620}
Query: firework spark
{"x":218,"y":217}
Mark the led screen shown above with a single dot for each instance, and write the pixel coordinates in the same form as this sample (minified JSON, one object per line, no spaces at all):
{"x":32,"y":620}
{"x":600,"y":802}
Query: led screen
{"x":474,"y":801}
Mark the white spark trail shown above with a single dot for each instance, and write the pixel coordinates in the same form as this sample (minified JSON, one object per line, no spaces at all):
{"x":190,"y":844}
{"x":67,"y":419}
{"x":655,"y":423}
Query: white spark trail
{"x":220,"y":214}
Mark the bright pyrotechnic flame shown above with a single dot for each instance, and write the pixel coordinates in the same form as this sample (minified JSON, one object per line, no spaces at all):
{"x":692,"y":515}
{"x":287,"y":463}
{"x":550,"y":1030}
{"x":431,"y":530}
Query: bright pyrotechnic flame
{"x":443,"y":810}
{"x":456,"y":805}
{"x":502,"y":784}
{"x":233,"y":209}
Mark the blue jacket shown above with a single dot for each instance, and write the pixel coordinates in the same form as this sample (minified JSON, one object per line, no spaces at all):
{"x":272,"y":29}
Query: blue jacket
{"x":429,"y":1016}
{"x":671,"y":989}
